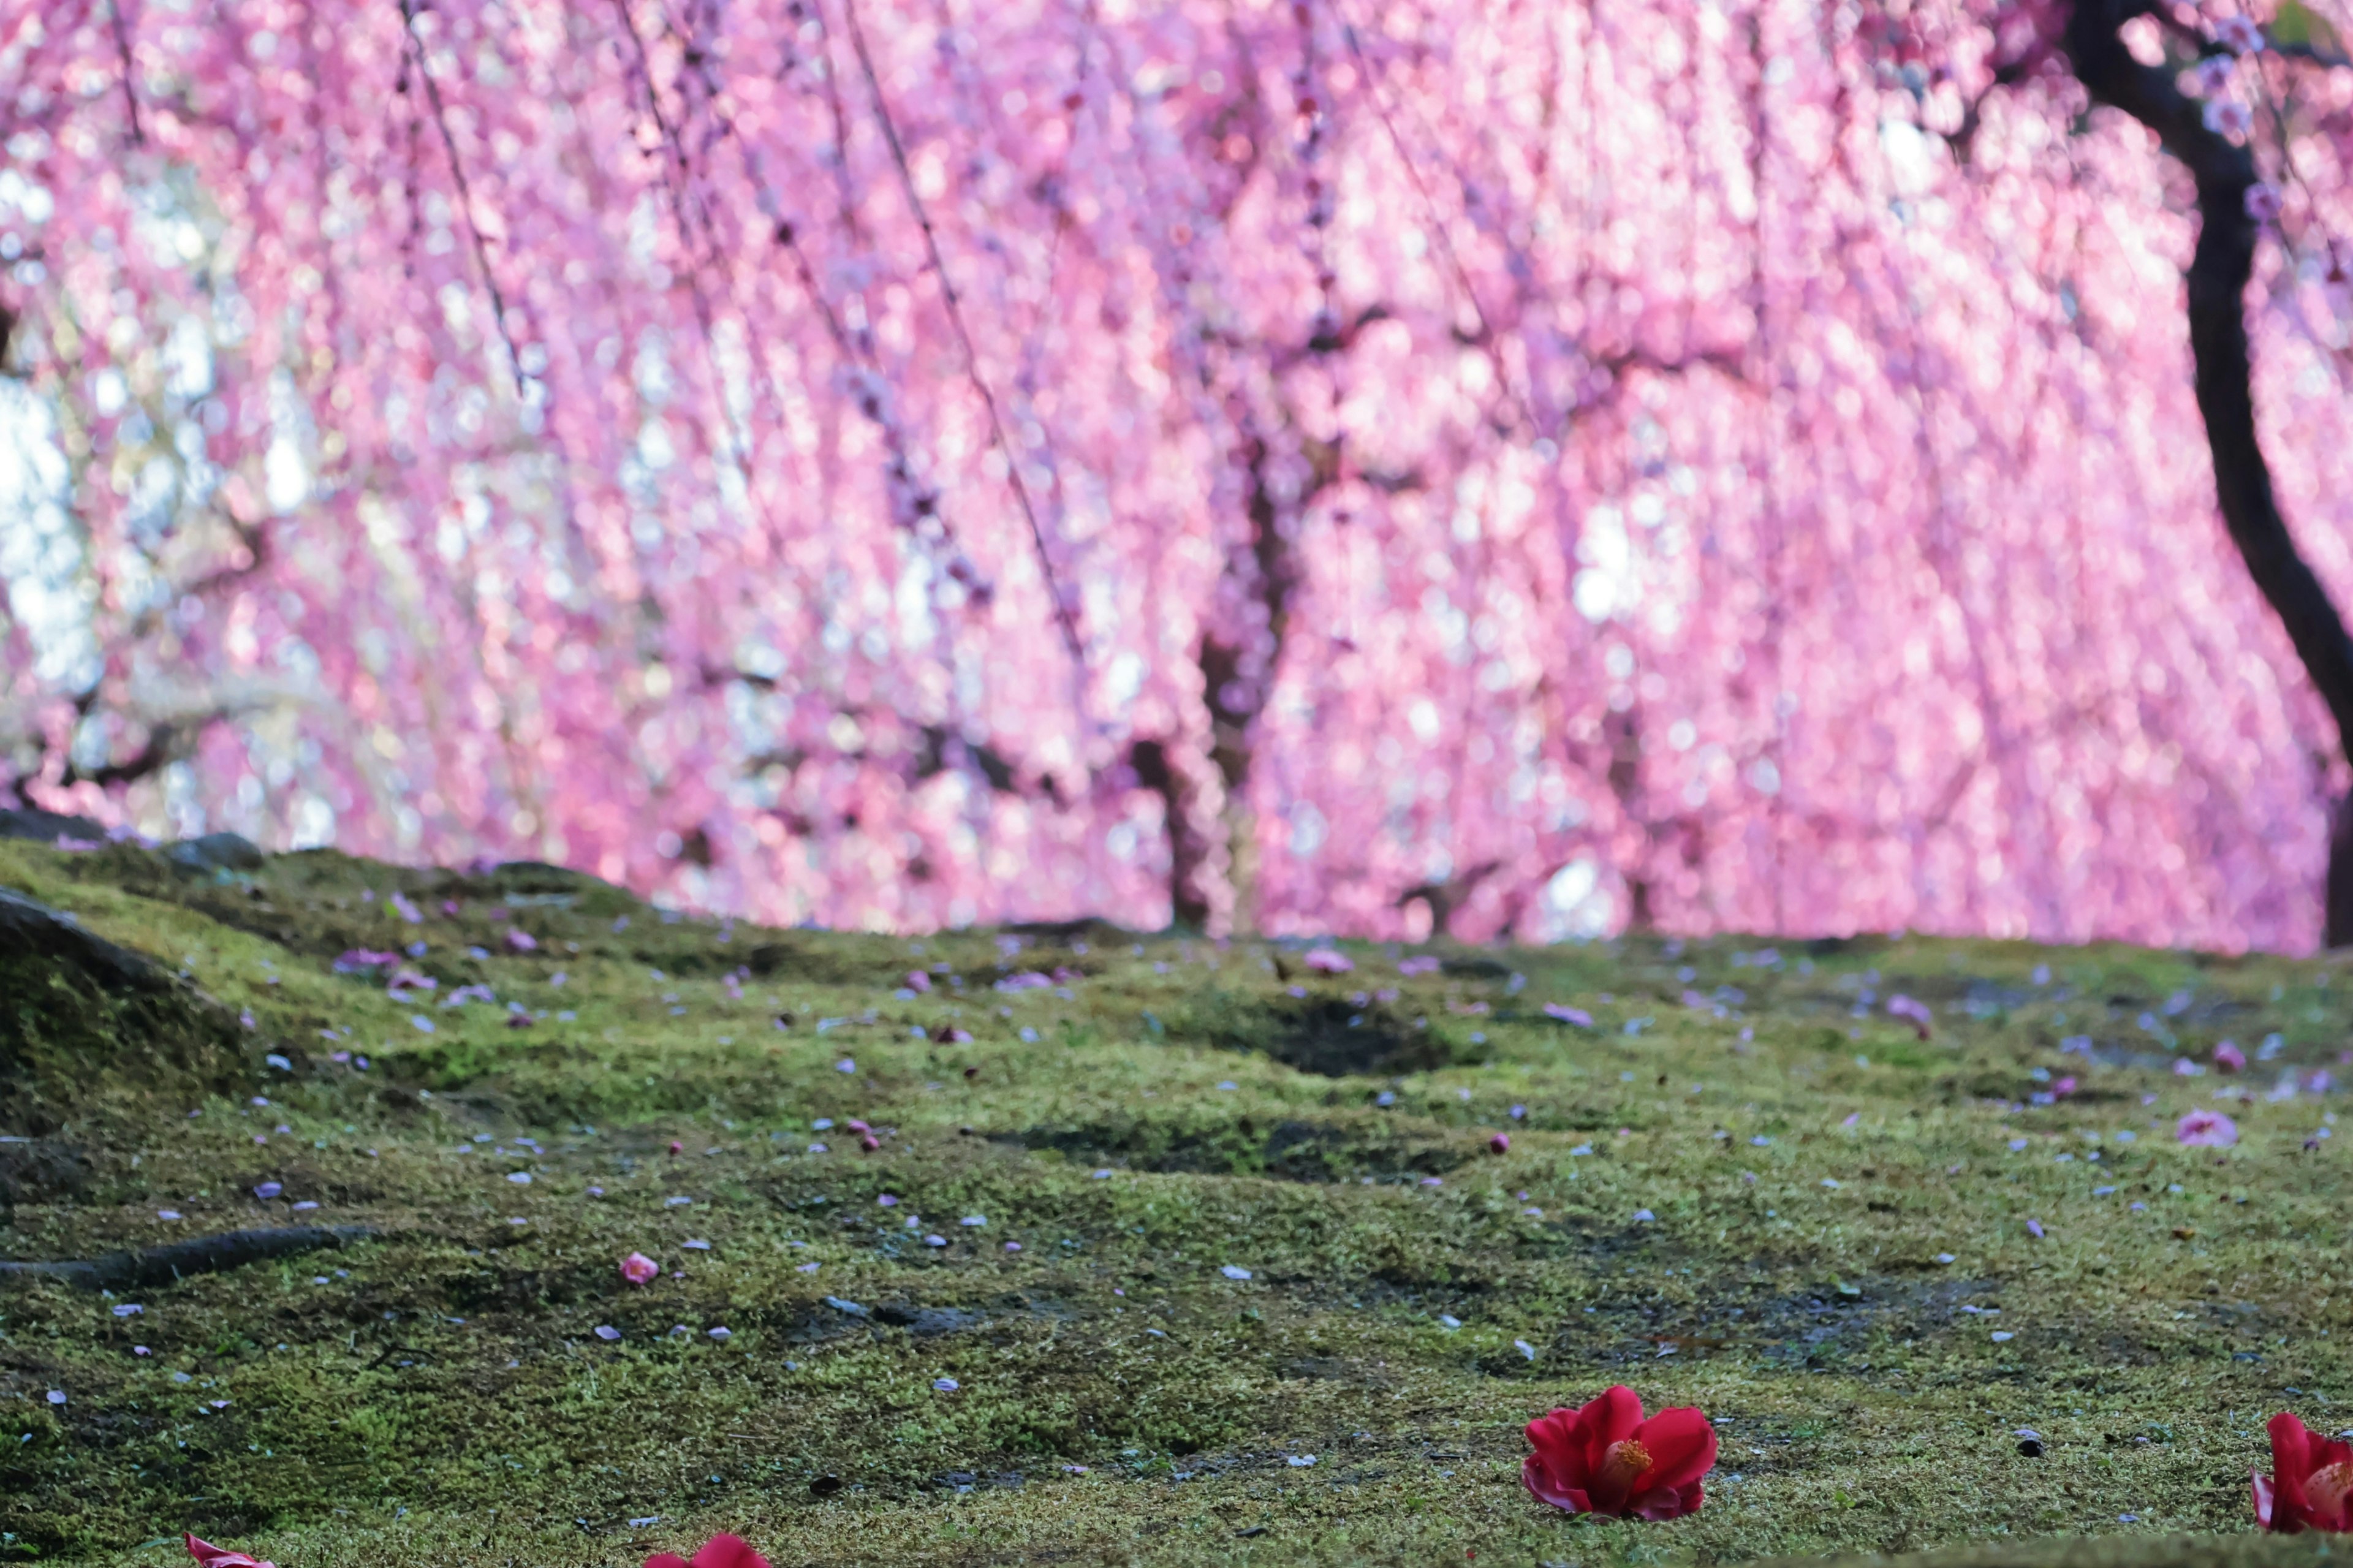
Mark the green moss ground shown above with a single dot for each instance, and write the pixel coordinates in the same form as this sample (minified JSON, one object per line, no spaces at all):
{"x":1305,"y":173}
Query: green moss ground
{"x":440,"y":1396}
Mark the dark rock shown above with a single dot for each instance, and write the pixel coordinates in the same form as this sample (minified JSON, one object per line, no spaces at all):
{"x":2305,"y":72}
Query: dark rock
{"x":217,"y":852}
{"x":46,"y":827}
{"x":39,"y":1170}
{"x":825,"y":1485}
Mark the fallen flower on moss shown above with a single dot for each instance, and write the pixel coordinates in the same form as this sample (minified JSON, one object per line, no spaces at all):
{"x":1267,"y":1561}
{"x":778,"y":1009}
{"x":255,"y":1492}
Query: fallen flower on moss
{"x":2311,"y":1481}
{"x":2207,"y":1130}
{"x":721,"y":1552}
{"x":638,"y":1270}
{"x":213,"y":1556}
{"x":1606,"y":1459}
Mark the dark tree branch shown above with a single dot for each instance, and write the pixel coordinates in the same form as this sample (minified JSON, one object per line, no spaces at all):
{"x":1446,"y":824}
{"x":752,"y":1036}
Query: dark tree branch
{"x":1446,"y":897}
{"x":2225,"y":171}
{"x":151,"y":758}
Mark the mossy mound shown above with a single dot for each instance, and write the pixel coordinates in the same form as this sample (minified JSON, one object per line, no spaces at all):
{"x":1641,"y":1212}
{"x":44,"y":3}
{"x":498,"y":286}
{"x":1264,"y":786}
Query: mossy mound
{"x":82,"y":1017}
{"x":1168,"y":1250}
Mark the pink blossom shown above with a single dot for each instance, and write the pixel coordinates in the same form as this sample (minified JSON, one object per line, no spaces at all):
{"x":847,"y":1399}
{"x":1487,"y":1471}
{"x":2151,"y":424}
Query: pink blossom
{"x":1501,"y":1143}
{"x":212,"y":1556}
{"x":2263,"y":203}
{"x":1422,"y":964}
{"x":1568,"y":1015}
{"x":2211,"y":75}
{"x":639,"y":1270}
{"x":1327,"y":960}
{"x":2229,"y":1058}
{"x":2228,"y":116}
{"x":918,"y":981}
{"x":2207,"y":1130}
{"x":1326,"y":711}
{"x":1916,"y":1013}
{"x":521,"y":940}
{"x":2238,"y":34}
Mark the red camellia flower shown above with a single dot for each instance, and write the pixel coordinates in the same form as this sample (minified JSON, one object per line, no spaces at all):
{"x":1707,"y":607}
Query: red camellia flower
{"x":723,"y":1551}
{"x":212,"y":1556}
{"x":2311,"y":1481}
{"x":1605,"y":1459}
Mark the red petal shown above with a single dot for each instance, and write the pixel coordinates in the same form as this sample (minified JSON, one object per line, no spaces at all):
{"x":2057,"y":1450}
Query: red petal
{"x":2291,"y":1444}
{"x":1558,"y":1441}
{"x":1612,"y":1416}
{"x":212,"y":1556}
{"x":2263,"y":1500}
{"x":1681,"y":1445}
{"x":1662,"y":1503}
{"x":666,"y":1559}
{"x":2292,"y":1460}
{"x":728,"y":1552}
{"x":1544,"y":1488}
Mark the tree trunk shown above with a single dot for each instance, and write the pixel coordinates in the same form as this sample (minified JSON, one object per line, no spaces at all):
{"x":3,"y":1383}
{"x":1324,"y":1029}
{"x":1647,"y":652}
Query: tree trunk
{"x":2225,"y":173}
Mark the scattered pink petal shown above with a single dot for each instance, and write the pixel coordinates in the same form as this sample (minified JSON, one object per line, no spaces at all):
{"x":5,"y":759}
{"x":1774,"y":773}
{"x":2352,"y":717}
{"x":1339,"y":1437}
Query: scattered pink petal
{"x":2229,"y":1058}
{"x":638,"y":1270}
{"x":2207,"y":1130}
{"x":1327,"y":960}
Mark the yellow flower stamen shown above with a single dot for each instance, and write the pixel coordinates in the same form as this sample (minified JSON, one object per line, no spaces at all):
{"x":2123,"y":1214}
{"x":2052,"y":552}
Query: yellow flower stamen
{"x":2325,"y":1488}
{"x":1624,"y":1462}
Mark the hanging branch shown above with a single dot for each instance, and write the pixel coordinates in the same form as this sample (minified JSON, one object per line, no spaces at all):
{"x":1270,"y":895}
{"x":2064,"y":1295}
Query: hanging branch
{"x":1062,"y":616}
{"x":465,"y":194}
{"x":1438,"y":227}
{"x":130,"y":81}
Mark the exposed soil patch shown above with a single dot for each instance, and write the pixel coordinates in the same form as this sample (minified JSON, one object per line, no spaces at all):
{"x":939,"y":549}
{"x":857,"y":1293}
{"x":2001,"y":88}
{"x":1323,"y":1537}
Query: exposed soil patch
{"x":1295,"y":1150}
{"x":1328,"y":1036}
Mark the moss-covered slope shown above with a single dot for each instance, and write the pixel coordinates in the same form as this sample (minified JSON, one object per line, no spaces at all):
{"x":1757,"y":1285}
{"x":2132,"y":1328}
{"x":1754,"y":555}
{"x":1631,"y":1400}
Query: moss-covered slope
{"x":1188,"y":1253}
